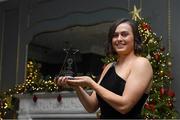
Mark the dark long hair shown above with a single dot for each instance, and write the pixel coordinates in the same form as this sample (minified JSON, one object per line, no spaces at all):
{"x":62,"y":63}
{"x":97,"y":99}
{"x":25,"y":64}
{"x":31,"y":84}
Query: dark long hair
{"x":137,"y":39}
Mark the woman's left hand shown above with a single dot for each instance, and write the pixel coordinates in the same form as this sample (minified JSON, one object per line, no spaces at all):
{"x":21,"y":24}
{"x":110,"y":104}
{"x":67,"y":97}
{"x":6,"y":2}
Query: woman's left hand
{"x":84,"y":81}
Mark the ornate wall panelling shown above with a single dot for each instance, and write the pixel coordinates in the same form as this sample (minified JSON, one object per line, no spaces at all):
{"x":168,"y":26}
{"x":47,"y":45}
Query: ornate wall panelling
{"x":53,"y":16}
{"x":9,"y":44}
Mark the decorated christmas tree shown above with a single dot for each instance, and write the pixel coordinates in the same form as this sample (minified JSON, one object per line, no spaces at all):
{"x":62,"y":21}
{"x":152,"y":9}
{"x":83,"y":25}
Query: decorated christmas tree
{"x":160,"y":104}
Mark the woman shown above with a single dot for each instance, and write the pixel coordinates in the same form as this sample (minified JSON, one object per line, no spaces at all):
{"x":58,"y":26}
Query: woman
{"x":124,"y":85}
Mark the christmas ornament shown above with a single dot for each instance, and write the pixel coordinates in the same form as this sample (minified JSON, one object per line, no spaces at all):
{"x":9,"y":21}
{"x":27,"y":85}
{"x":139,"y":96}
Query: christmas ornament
{"x":35,"y":98}
{"x":169,"y":64}
{"x":161,"y":73}
{"x":135,"y":13}
{"x":162,"y":91}
{"x":146,"y":26}
{"x":149,"y":106}
{"x":146,"y":105}
{"x":157,"y":56}
{"x":152,"y":107}
{"x":151,"y":41}
{"x":59,"y":98}
{"x":170,"y":93}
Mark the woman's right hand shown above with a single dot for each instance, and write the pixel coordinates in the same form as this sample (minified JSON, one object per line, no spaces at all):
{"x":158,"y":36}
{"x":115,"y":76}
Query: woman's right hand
{"x":61,"y":81}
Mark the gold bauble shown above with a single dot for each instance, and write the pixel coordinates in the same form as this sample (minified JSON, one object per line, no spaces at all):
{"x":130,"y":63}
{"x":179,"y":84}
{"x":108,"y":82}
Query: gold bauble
{"x":169,"y":63}
{"x":161,"y":73}
{"x":30,"y":62}
{"x":151,"y":41}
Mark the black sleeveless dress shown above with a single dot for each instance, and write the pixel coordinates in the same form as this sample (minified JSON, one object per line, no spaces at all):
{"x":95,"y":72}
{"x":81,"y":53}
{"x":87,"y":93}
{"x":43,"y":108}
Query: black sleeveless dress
{"x":116,"y":84}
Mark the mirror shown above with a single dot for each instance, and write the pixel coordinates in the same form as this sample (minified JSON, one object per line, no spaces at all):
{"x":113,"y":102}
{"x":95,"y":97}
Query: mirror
{"x":50,"y":49}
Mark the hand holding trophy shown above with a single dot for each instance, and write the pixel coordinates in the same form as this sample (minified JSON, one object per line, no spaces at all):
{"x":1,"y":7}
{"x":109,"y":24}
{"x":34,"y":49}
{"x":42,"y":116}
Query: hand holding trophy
{"x":68,"y":68}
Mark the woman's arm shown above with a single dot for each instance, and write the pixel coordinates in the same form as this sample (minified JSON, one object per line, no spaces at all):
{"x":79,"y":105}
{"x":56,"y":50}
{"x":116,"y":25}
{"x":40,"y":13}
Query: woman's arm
{"x":136,"y":85}
{"x":89,"y":102}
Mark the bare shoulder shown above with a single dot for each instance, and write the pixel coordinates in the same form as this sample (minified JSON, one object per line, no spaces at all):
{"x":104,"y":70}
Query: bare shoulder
{"x":142,"y":63}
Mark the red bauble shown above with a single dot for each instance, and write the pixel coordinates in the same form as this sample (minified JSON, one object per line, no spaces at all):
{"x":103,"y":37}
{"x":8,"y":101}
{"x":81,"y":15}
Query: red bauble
{"x":146,"y":105}
{"x":157,"y":56}
{"x":59,"y":98}
{"x":149,"y":106}
{"x":162,"y":91}
{"x":35,"y":98}
{"x":146,"y":26}
{"x":170,"y":93}
{"x":152,"y":106}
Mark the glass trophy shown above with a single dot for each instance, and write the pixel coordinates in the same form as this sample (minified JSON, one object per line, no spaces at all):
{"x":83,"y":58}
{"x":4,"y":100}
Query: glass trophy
{"x":69,"y":67}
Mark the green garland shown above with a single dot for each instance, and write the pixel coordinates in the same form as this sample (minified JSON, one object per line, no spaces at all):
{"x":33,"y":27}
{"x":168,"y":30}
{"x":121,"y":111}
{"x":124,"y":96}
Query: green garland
{"x":33,"y":83}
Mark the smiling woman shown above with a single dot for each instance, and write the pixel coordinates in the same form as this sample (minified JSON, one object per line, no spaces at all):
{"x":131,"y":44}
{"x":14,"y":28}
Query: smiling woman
{"x":124,"y":84}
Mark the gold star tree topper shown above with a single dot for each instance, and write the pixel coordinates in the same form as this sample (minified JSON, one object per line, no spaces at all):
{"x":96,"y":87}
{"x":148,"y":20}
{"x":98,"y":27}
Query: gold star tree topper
{"x":135,"y":13}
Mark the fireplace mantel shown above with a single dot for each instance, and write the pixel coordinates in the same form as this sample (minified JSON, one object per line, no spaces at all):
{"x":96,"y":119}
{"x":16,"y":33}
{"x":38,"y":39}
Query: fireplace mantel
{"x":47,"y":106}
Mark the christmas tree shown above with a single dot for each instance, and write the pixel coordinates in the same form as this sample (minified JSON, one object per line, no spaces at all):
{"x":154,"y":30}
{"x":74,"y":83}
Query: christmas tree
{"x":160,"y":104}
